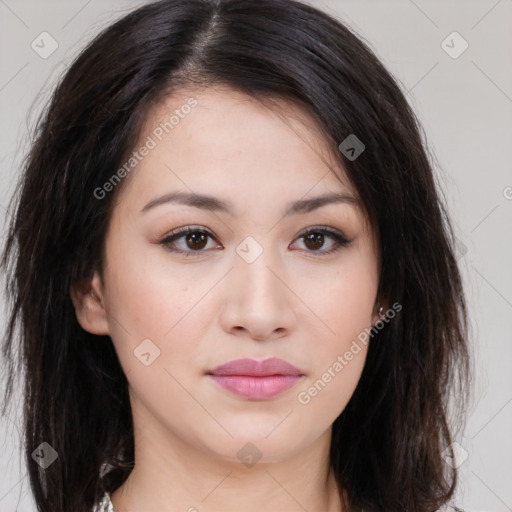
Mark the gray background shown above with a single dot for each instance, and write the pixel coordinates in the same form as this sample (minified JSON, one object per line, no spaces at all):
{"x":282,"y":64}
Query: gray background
{"x":465,"y":106}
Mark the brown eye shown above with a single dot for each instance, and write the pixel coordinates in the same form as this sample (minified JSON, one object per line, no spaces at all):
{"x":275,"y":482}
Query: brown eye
{"x":197,"y":240}
{"x":314,"y":240}
{"x":194,"y":241}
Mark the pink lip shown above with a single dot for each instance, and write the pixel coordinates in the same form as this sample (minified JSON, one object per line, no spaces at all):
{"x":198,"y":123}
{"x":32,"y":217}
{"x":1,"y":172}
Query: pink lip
{"x":256,"y":380}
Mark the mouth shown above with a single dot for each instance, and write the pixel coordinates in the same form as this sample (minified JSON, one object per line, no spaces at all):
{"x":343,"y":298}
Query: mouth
{"x":256,"y":380}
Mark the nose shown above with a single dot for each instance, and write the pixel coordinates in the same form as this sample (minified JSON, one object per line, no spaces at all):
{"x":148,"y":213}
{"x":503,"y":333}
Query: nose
{"x":258,"y":301}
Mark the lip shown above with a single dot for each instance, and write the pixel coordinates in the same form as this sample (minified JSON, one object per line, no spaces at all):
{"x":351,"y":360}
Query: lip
{"x":256,"y":380}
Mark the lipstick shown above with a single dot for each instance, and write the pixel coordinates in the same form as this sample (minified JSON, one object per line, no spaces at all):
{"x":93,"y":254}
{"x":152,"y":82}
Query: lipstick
{"x":256,"y":380}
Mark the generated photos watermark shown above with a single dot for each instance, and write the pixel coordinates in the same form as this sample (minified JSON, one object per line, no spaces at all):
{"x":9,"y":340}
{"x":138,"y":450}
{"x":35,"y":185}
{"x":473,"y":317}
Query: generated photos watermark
{"x":304,"y":397}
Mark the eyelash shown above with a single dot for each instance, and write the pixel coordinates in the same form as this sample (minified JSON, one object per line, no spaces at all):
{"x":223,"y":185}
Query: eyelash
{"x":340,"y":240}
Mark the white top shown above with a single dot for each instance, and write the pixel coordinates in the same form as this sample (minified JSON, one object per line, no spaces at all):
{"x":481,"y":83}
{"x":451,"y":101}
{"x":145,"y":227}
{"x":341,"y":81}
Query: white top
{"x":105,"y":505}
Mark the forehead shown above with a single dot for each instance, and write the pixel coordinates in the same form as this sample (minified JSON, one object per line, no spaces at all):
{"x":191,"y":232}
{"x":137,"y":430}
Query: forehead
{"x":228,"y":132}
{"x":224,"y":143}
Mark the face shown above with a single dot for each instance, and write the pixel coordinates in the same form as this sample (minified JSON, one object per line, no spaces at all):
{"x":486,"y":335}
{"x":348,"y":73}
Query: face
{"x":255,"y":277}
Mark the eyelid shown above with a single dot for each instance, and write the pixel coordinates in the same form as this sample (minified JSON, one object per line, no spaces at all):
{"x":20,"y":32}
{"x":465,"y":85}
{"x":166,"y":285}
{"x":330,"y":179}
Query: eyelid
{"x":322,"y":228}
{"x":192,"y":228}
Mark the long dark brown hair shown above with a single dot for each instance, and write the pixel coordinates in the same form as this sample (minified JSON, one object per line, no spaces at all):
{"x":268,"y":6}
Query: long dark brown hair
{"x":388,"y":442}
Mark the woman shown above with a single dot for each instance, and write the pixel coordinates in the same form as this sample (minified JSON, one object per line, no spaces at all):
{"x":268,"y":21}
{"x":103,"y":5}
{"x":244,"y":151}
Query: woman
{"x":233,"y":274}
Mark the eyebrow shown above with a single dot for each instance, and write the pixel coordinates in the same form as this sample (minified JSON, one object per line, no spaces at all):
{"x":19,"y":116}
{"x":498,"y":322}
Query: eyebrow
{"x":213,"y":204}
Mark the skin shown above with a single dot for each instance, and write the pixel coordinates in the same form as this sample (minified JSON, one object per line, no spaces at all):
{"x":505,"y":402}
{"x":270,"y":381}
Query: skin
{"x":292,"y":302}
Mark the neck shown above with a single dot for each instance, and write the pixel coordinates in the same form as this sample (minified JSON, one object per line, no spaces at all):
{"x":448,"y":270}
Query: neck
{"x":171,"y":474}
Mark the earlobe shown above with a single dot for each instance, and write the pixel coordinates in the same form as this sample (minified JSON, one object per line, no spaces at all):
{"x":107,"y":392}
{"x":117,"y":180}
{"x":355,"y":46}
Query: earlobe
{"x":379,"y":313}
{"x":88,"y":300}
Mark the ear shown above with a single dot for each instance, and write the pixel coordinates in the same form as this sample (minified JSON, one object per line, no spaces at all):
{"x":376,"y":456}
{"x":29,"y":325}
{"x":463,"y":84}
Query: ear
{"x":88,"y":300}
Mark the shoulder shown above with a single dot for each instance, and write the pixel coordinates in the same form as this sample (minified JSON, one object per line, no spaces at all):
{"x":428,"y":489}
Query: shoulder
{"x":449,"y":508}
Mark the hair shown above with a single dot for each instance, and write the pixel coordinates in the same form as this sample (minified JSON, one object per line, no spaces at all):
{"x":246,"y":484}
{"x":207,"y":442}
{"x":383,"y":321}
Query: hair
{"x":387,"y":444}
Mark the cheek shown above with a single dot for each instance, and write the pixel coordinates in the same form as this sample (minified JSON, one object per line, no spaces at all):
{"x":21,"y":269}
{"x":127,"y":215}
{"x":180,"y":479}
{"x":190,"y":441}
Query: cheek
{"x":148,"y":309}
{"x":152,"y":299}
{"x":342,"y":299}
{"x":143,"y":294}
{"x":325,"y":395}
{"x":339,"y":354}
{"x":344,"y":303}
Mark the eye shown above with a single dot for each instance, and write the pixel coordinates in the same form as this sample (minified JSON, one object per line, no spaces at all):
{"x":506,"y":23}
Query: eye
{"x":314,"y":239}
{"x":195,"y":240}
